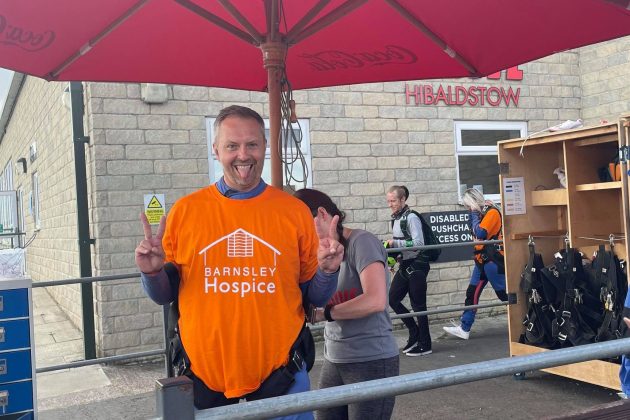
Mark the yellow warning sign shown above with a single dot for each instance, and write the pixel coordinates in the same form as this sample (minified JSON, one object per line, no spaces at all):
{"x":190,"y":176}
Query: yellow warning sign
{"x":154,"y":203}
{"x":154,"y":208}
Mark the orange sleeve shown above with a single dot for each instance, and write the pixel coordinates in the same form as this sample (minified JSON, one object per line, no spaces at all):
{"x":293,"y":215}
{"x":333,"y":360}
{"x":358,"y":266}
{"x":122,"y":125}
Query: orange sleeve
{"x":491,"y":223}
{"x":309,"y":242}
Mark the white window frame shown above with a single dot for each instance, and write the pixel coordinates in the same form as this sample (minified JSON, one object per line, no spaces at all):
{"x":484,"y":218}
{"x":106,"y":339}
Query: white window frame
{"x":461,"y":150}
{"x":36,"y":197}
{"x":305,"y":148}
{"x":6,"y":179}
{"x":21,"y":216}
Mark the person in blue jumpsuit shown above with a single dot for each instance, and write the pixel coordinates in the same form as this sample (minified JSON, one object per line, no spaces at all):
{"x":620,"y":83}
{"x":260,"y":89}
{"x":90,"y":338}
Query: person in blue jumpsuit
{"x":485,"y":224}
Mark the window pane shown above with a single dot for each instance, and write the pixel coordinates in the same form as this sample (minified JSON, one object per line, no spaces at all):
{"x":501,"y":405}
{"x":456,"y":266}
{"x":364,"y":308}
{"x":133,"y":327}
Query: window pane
{"x":480,"y":170}
{"x":487,"y":137}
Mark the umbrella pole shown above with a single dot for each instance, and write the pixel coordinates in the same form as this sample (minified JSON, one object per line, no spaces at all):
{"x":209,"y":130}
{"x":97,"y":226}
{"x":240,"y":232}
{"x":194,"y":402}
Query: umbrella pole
{"x":273,"y":58}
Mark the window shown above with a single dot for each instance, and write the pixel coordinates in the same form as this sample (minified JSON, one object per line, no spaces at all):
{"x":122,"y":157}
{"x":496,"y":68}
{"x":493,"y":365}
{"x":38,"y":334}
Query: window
{"x":297,"y":171}
{"x":8,"y":218}
{"x":35,"y":203}
{"x":476,"y":153}
{"x":21,"y":220}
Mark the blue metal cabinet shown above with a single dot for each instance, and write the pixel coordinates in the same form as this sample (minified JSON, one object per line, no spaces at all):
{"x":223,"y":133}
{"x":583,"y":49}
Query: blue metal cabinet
{"x":17,"y":368}
{"x":13,"y":303}
{"x":15,"y":334}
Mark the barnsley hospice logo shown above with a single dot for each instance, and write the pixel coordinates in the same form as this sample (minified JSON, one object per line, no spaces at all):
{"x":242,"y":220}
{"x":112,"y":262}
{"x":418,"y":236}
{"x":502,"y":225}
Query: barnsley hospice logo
{"x":24,"y":38}
{"x":257,"y":277}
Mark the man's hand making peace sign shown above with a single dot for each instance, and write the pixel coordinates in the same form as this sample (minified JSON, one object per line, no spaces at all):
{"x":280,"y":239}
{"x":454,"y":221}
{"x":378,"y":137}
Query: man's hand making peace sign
{"x":149,"y":253}
{"x":330,"y":251}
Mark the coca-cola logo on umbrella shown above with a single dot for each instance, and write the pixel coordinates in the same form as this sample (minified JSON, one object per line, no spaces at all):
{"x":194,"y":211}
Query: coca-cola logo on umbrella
{"x":24,"y":38}
{"x":335,"y":59}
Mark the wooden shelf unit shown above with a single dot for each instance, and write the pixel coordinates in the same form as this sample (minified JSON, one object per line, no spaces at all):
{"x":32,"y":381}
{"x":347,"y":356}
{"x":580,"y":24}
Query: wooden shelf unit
{"x":586,"y":210}
{"x":598,"y":186}
{"x":557,"y":197}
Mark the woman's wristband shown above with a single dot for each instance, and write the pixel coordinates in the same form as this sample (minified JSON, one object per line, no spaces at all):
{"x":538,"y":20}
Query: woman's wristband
{"x":327,"y":314}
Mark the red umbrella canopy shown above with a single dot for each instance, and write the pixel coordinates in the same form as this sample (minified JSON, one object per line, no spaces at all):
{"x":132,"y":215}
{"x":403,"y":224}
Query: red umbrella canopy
{"x":319,"y":42}
{"x":331,"y":42}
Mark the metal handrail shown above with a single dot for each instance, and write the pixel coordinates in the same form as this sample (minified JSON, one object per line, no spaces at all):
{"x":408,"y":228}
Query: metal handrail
{"x":79,"y":280}
{"x":117,"y":358}
{"x":431,"y":312}
{"x":414,"y":382}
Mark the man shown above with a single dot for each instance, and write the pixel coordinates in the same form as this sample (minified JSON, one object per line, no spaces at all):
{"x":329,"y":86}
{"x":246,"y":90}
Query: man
{"x":248,"y":257}
{"x":411,"y":277}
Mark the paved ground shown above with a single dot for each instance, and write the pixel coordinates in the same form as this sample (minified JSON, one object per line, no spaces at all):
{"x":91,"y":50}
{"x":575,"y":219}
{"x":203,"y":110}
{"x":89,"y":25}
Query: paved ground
{"x":126,"y":392}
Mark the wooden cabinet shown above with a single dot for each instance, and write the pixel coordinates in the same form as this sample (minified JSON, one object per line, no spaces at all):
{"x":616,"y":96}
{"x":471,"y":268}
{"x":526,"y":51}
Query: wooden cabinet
{"x":586,"y":212}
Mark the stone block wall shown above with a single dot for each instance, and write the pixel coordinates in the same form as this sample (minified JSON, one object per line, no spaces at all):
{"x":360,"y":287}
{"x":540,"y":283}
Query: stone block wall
{"x":605,"y":75}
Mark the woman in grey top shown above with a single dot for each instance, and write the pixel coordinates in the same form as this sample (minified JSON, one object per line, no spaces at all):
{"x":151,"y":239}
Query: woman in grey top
{"x":359,"y":344}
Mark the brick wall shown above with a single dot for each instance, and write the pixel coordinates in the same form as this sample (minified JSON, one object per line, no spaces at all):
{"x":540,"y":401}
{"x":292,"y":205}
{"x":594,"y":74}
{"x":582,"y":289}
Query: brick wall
{"x":605,"y":71}
{"x":40,"y":116}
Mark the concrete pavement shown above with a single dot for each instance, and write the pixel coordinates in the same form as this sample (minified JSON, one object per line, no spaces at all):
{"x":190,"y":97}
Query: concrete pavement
{"x":127,"y":391}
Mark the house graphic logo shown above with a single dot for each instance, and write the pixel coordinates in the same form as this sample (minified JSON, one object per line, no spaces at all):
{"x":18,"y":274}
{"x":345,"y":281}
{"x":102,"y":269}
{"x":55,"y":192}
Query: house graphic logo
{"x":253,"y":269}
{"x":240,"y":243}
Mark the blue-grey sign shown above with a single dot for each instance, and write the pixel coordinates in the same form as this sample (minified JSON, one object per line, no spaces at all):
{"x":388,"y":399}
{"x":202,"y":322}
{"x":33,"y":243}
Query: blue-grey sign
{"x":451,"y":227}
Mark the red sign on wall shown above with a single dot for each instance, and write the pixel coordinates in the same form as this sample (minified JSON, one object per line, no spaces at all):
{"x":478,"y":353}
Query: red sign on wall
{"x":425,"y":94}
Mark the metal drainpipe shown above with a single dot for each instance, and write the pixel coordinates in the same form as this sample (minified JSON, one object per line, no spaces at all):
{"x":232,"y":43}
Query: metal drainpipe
{"x":83,"y":219}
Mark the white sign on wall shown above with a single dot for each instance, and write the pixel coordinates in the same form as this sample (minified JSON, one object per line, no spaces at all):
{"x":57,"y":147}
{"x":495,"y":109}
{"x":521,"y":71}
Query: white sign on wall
{"x":514,"y":196}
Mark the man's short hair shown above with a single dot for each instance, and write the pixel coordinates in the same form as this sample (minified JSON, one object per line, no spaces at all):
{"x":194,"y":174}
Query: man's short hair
{"x":239,"y":112}
{"x":400,"y":190}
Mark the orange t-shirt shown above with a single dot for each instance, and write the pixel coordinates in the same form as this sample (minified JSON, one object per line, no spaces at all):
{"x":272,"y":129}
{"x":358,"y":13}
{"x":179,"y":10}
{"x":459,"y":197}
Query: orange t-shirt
{"x":491,"y":222}
{"x":241,"y":263}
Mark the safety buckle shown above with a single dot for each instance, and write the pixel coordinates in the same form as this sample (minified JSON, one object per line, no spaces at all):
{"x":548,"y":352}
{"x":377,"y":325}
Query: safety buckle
{"x":609,"y":305}
{"x":578,"y":296}
{"x":297,"y":360}
{"x":530,"y":326}
{"x":566,"y":315}
{"x":562,"y":337}
{"x":536,"y":296}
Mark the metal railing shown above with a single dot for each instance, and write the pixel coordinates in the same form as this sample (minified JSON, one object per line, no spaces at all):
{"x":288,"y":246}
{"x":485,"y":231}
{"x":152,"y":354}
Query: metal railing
{"x":405,"y":384}
{"x":164,"y":351}
{"x":108,"y":359}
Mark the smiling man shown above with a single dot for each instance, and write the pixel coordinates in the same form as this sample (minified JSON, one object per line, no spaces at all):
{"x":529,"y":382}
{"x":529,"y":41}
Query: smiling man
{"x":243,"y":259}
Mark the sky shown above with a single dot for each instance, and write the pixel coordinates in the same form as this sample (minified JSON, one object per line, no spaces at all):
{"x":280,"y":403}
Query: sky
{"x":5,"y":81}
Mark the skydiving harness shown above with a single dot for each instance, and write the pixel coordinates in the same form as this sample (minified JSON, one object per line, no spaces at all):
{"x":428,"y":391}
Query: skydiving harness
{"x":608,"y":272}
{"x":538,"y":317}
{"x":568,"y":325}
{"x":491,"y":252}
{"x":426,"y":255}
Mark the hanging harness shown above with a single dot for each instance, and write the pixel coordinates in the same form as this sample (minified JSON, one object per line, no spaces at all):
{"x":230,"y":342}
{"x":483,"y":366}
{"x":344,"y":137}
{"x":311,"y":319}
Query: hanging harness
{"x":608,"y":274}
{"x":539,"y":315}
